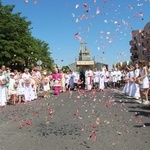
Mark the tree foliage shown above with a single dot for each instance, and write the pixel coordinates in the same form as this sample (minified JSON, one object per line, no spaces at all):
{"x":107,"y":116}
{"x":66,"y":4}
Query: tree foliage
{"x":65,"y":68}
{"x":18,"y":48}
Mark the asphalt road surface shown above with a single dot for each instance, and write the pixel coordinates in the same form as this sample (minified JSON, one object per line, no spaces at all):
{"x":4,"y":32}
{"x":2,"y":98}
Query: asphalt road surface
{"x":76,"y":121}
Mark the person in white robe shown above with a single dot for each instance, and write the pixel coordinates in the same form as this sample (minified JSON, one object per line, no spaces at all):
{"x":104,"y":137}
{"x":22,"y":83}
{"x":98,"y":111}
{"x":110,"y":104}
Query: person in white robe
{"x":131,"y":81}
{"x":96,"y":78}
{"x":136,"y":92}
{"x":75,"y":76}
{"x":126,"y":85}
{"x":46,"y":85}
{"x":144,"y":85}
{"x":101,"y":79}
{"x":88,"y":79}
{"x":38,"y":80}
{"x":71,"y":81}
{"x":119,"y":74}
{"x":110,"y":78}
{"x":63,"y":88}
{"x":12,"y":88}
{"x":2,"y":89}
{"x":106,"y":78}
{"x":27,"y":85}
{"x":114,"y":77}
{"x":20,"y":89}
{"x":33,"y":89}
{"x":67,"y":78}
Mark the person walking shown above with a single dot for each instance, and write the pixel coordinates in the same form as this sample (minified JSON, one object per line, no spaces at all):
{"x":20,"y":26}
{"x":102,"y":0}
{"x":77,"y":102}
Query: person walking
{"x":144,"y":83}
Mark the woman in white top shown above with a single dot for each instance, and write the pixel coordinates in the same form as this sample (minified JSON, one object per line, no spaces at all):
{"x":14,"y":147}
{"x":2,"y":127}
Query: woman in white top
{"x":131,"y":81}
{"x":148,"y":66}
{"x":143,"y":77}
{"x":136,"y":86}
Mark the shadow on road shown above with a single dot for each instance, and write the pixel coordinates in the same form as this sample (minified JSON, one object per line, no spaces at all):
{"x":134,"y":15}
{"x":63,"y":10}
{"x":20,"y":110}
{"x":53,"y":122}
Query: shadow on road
{"x":142,"y":125}
{"x":141,"y":113}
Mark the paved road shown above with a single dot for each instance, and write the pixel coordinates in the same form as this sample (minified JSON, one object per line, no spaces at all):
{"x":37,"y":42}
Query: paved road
{"x":76,"y":121}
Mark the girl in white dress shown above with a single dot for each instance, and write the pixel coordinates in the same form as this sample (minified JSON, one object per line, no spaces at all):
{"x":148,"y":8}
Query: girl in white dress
{"x":34,"y":85}
{"x":144,"y":86}
{"x":12,"y":88}
{"x":63,"y":88}
{"x":131,"y":81}
{"x":27,"y":85}
{"x":46,"y":85}
{"x":2,"y":89}
{"x":126,"y":86}
{"x":33,"y":89}
{"x":20,"y":88}
{"x":136,"y":86}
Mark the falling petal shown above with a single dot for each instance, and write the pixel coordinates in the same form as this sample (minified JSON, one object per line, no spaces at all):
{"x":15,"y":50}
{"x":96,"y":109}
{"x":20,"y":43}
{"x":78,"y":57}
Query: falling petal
{"x":97,"y":11}
{"x":77,"y":5}
{"x":26,"y":1}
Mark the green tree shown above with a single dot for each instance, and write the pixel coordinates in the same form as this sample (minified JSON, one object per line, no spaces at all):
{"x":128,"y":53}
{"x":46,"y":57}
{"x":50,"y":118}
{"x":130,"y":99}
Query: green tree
{"x":17,"y":46}
{"x":65,"y":68}
{"x":43,"y":54}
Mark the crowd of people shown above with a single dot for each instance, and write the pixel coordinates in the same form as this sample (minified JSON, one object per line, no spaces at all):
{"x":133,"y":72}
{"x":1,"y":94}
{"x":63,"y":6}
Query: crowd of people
{"x":17,"y":87}
{"x":137,"y":81}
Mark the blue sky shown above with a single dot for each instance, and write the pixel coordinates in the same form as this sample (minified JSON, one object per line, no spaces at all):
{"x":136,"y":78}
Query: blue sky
{"x":105,"y":25}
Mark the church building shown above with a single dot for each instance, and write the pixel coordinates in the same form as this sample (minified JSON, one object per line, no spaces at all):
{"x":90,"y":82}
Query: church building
{"x":84,"y":59}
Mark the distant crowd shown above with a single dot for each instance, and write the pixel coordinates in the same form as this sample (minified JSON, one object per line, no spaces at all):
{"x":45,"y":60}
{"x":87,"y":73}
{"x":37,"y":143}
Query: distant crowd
{"x":18,"y":87}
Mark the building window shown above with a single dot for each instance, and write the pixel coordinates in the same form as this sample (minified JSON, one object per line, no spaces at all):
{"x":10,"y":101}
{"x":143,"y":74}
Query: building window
{"x":143,"y":52}
{"x":142,"y":44}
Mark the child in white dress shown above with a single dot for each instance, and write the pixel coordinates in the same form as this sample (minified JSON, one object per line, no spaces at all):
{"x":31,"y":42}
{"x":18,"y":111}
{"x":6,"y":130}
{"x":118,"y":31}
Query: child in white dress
{"x":12,"y":89}
{"x":20,"y":89}
{"x":46,"y":85}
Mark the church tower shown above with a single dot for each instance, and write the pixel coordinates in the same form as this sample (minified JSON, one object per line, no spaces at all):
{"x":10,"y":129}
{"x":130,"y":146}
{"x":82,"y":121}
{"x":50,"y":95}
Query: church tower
{"x":84,"y":54}
{"x":84,"y":59}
